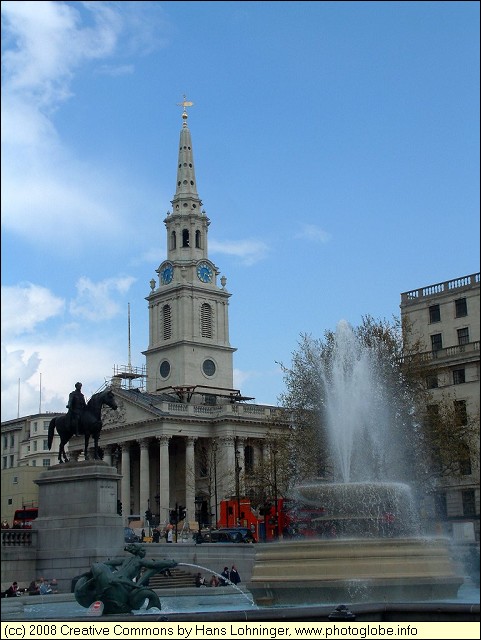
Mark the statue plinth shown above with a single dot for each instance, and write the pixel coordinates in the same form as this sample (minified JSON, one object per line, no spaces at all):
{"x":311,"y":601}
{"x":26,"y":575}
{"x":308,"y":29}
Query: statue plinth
{"x":78,"y":521}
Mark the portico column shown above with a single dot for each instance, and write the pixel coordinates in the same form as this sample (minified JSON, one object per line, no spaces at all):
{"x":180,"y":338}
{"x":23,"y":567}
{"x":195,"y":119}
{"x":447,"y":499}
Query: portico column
{"x":108,"y":454}
{"x":144,"y":489}
{"x":164,"y":485}
{"x":241,"y":459}
{"x":125,"y":482}
{"x":226,"y":461}
{"x":190,"y":478}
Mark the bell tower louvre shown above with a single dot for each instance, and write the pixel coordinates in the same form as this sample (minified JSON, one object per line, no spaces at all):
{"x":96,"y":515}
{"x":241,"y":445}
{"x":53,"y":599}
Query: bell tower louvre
{"x":189,"y":350}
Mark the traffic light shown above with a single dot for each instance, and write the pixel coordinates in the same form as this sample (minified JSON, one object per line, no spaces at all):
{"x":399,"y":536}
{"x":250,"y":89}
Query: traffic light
{"x":119,"y":507}
{"x":173,"y":517}
{"x":182,"y":513}
{"x":148,"y":515}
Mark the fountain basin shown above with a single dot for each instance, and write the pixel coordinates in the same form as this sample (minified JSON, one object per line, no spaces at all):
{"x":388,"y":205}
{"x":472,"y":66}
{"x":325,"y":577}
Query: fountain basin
{"x":354,"y":570}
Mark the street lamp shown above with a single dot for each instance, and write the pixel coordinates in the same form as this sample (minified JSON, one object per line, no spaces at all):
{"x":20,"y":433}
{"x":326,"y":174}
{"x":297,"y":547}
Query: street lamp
{"x":238,"y":469}
{"x":198,"y":514}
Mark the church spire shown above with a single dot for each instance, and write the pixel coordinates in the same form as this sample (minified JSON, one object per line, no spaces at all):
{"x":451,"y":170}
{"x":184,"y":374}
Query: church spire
{"x":186,"y":197}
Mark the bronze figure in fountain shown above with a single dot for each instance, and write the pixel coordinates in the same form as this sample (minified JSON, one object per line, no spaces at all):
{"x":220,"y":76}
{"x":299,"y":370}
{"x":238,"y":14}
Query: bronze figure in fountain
{"x":121,"y":584}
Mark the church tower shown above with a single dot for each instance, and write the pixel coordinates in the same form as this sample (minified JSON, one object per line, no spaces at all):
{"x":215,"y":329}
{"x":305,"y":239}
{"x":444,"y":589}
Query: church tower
{"x":189,"y":350}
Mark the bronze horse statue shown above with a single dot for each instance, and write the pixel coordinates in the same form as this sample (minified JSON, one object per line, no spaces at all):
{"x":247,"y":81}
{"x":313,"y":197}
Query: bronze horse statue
{"x":90,"y":424}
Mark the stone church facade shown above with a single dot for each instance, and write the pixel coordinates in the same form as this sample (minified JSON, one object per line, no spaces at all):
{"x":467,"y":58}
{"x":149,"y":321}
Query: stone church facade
{"x":184,"y":436}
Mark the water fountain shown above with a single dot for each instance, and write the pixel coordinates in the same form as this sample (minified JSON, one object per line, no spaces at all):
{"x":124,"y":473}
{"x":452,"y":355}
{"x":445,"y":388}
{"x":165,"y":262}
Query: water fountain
{"x":375,"y":551}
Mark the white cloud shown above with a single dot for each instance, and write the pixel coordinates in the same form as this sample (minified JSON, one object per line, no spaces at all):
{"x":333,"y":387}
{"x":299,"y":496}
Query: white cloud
{"x":249,"y":251}
{"x":313,"y":233}
{"x":61,"y":364}
{"x":94,"y":300}
{"x":46,"y":189}
{"x":26,"y":306}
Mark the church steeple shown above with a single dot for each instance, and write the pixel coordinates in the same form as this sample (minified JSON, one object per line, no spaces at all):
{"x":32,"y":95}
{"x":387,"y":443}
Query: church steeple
{"x":186,"y":188}
{"x":188,"y":311}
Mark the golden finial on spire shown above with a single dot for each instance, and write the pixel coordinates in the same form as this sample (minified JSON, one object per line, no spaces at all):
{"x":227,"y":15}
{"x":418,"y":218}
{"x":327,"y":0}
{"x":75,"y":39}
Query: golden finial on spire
{"x":186,"y":103}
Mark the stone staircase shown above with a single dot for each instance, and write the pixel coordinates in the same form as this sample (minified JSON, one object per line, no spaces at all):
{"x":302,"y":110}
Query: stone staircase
{"x":179,"y":579}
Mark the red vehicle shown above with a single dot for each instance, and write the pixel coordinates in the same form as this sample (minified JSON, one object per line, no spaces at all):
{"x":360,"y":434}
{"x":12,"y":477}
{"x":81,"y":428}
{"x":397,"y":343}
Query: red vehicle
{"x":23,"y":518}
{"x":291,"y":520}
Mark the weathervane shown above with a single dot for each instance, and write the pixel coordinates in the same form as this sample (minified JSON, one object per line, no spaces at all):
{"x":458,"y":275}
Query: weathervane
{"x":186,"y":103}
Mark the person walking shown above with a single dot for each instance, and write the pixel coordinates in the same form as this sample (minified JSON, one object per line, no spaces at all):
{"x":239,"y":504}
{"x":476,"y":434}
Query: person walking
{"x":234,"y":576}
{"x":225,"y":577}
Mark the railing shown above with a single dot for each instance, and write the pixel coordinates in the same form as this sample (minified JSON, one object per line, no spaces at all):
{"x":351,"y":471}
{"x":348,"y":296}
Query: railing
{"x":448,"y":352}
{"x":441,"y":287}
{"x":247,"y":410}
{"x":19,"y":538}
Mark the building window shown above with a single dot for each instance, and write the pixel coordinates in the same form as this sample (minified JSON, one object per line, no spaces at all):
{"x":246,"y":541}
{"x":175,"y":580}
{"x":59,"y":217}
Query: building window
{"x":432,"y":382}
{"x":459,"y":376}
{"x":210,"y":399}
{"x":35,"y":445}
{"x":206,"y":321}
{"x":434,"y":313}
{"x":12,"y":441}
{"x":460,"y":412}
{"x":465,"y":461}
{"x":461,"y":307}
{"x":469,"y":504}
{"x":4,"y":462}
{"x":463,"y":336}
{"x":15,"y":480}
{"x":11,"y":461}
{"x":10,"y":501}
{"x":436,"y":342}
{"x":34,"y":463}
{"x":46,"y":462}
{"x":197,"y":240}
{"x":45,"y":445}
{"x":35,"y":428}
{"x":167,"y":322}
{"x":441,"y":506}
{"x":173,"y":240}
{"x":45,"y":424}
{"x":185,"y":237}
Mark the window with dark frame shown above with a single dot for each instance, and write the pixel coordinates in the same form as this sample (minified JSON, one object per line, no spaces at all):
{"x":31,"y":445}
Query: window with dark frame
{"x":461,"y":307}
{"x":437,"y":342}
{"x":460,"y":412}
{"x":465,"y":461}
{"x":459,"y":376}
{"x":434,"y":313}
{"x":469,"y":504}
{"x":463,"y":336}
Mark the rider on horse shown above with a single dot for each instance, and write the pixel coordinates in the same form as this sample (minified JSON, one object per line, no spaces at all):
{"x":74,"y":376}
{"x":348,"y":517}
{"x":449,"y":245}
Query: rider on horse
{"x":76,"y":405}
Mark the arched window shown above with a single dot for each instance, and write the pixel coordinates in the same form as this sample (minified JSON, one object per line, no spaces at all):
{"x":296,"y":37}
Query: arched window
{"x":167,"y":322}
{"x":197,"y":239}
{"x":185,"y":237}
{"x":173,"y":240}
{"x":206,"y":320}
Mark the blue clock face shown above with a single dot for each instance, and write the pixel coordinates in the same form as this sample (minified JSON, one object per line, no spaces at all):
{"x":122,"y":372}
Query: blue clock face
{"x":167,"y":274}
{"x":204,"y":272}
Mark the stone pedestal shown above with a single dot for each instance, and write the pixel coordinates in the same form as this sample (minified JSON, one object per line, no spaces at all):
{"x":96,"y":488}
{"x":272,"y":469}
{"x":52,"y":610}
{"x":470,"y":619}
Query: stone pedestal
{"x":78,"y":522}
{"x":354,"y":570}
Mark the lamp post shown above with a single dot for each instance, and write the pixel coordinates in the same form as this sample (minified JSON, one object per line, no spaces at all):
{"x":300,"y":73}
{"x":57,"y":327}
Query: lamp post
{"x":198,"y":513}
{"x":238,"y":469}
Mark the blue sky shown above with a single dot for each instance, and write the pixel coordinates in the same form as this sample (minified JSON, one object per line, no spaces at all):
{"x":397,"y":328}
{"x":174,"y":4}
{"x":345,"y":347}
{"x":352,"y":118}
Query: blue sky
{"x":336,"y":149}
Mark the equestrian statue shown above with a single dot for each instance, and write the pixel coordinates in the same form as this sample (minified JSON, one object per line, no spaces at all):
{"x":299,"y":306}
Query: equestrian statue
{"x":82,"y":418}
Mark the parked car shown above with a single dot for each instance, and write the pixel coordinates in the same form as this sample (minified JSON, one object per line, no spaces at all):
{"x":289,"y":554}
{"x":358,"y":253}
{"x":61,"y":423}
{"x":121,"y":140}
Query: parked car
{"x":233,"y":534}
{"x":130,"y":535}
